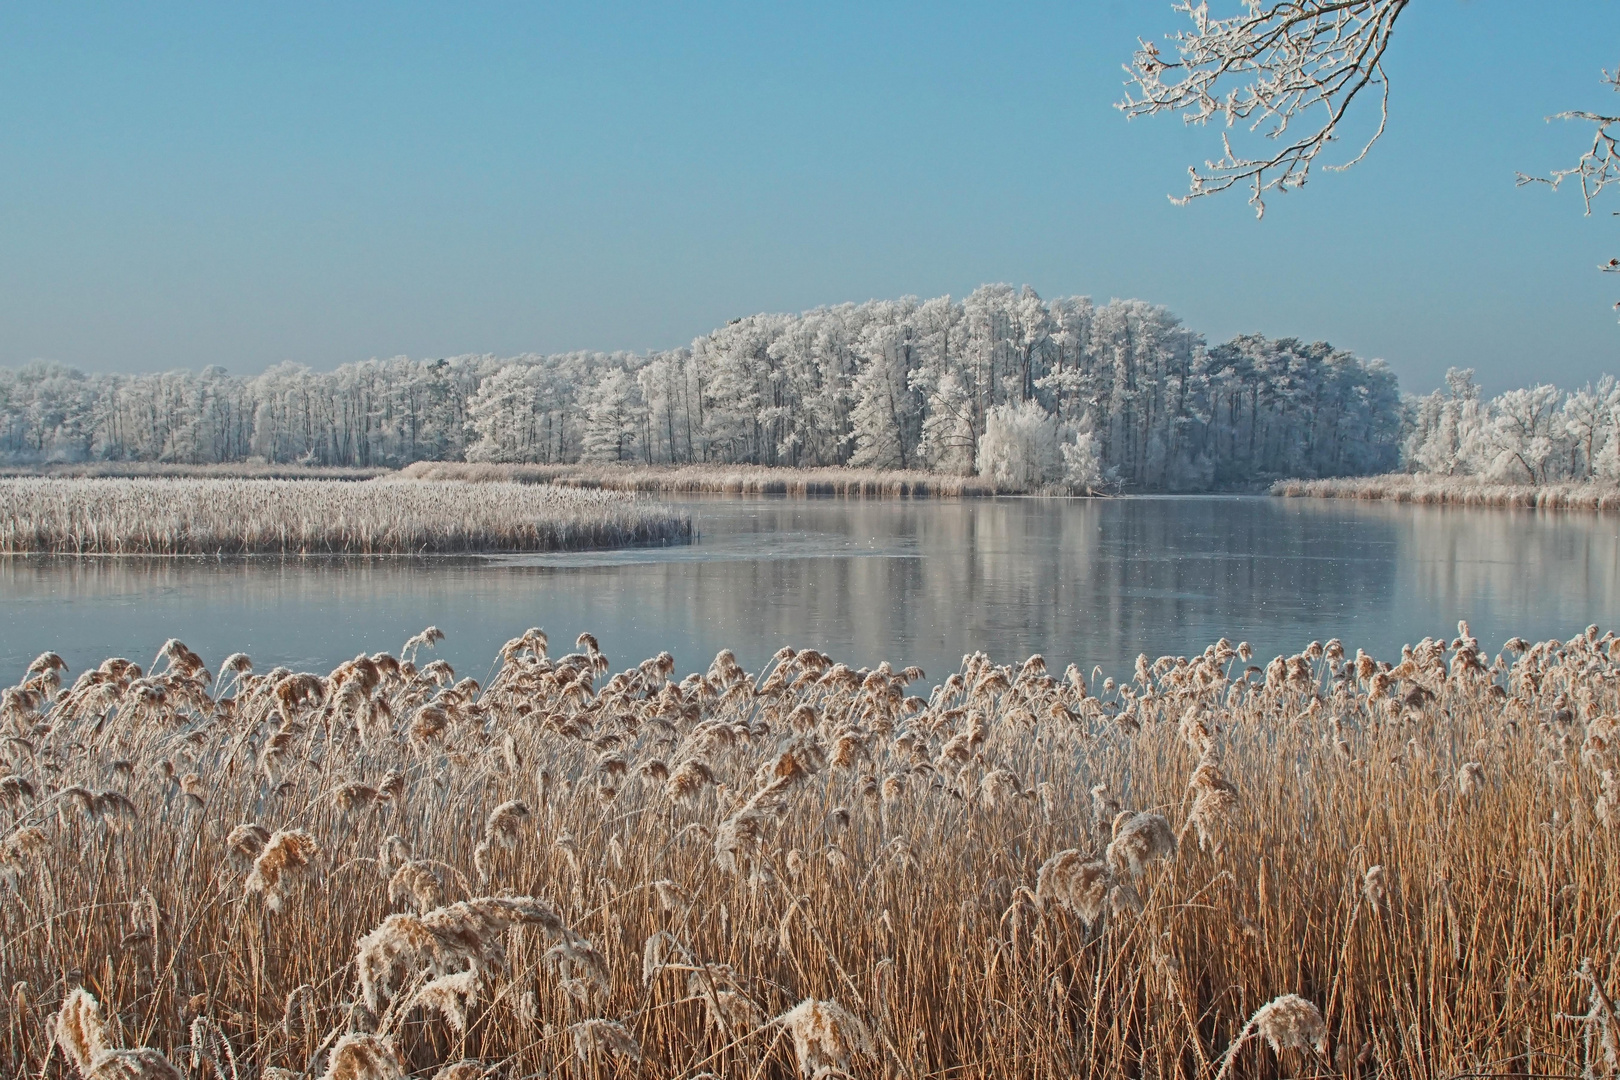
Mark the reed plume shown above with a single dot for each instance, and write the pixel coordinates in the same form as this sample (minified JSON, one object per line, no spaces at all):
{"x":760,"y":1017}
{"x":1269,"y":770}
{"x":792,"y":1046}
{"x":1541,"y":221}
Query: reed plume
{"x":598,"y":1036}
{"x":298,"y":1014}
{"x":286,"y":854}
{"x":21,"y":849}
{"x":825,"y":1036}
{"x":1470,"y":779}
{"x":416,"y":882}
{"x":451,"y":996}
{"x":211,"y":1050}
{"x":1078,"y":883}
{"x":81,"y":1033}
{"x":829,"y":837}
{"x":1288,"y":1022}
{"x":444,"y":941}
{"x":363,"y":1056}
{"x":1139,"y":839}
{"x":248,"y":839}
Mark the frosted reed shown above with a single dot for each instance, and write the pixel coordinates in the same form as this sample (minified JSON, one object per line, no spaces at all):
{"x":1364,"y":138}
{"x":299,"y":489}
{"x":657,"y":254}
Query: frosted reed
{"x":1318,"y":865}
{"x":179,"y":517}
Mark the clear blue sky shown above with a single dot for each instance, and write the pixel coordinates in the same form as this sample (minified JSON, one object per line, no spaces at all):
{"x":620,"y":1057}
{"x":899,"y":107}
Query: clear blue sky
{"x":244,"y":184}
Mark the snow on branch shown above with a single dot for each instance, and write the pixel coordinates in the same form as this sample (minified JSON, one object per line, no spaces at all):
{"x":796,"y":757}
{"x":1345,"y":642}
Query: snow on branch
{"x":1598,"y":167}
{"x":1288,"y":69}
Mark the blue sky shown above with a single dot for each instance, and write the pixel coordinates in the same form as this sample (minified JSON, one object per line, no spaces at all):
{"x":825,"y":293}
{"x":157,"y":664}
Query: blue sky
{"x":244,"y":184}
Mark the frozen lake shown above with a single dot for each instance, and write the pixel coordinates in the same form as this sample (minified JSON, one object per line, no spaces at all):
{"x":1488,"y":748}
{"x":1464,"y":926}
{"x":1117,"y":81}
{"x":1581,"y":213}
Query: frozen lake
{"x":1089,"y":581}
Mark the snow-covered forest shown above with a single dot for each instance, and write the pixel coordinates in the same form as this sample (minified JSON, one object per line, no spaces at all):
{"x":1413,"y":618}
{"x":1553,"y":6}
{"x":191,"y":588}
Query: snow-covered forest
{"x":1538,"y":435}
{"x":1002,"y":383}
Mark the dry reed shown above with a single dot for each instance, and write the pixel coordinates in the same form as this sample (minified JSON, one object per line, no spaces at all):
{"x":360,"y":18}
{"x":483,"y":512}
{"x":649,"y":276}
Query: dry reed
{"x":208,"y":517}
{"x":1404,"y":868}
{"x":1426,"y":490}
{"x":721,"y":479}
{"x":227,"y":470}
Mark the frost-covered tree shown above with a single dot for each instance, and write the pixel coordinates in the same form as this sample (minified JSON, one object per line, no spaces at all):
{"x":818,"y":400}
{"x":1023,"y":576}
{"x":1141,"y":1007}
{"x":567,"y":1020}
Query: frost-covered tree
{"x":886,"y":418}
{"x":1446,"y":427}
{"x":669,"y":393}
{"x":1534,"y":435}
{"x":1588,"y":416}
{"x":1606,"y":465}
{"x":1522,"y":439}
{"x":1020,"y":446}
{"x":819,"y":357}
{"x":1279,"y":74}
{"x":614,"y":418}
{"x":502,"y":415}
{"x":950,"y":437}
{"x":1082,"y":460}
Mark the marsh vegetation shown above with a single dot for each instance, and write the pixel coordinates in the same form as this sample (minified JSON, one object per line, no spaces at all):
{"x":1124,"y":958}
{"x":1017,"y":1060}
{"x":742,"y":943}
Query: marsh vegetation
{"x":1431,"y":490}
{"x":721,"y":479}
{"x":1324,"y":864}
{"x":233,"y":517}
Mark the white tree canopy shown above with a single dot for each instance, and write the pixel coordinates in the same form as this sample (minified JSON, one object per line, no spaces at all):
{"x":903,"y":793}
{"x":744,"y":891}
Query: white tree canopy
{"x":1120,"y":394}
{"x":1534,"y":435}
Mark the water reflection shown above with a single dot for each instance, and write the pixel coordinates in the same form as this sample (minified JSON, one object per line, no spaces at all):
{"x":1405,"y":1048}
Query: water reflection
{"x":1095,"y":582}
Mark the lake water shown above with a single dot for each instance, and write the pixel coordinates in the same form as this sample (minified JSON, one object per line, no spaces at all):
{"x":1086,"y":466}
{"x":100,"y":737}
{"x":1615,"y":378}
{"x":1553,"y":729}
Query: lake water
{"x":1089,"y":581}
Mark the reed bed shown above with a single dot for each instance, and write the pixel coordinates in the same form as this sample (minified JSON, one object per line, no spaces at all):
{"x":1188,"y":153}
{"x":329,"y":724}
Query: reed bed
{"x":229,"y":470}
{"x":1326,"y":866}
{"x":722,"y":479}
{"x":1457,"y":491}
{"x":230,"y":517}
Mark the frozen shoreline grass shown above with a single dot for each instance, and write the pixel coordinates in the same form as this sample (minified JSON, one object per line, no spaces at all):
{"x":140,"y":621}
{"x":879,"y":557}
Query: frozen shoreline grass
{"x":182,"y":517}
{"x":721,"y":479}
{"x":1325,"y":866}
{"x":230,"y":470}
{"x":1456,"y":491}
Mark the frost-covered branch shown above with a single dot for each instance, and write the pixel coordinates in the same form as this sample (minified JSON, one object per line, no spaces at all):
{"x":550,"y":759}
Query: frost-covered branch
{"x":1276,"y":67}
{"x":1599,"y":167}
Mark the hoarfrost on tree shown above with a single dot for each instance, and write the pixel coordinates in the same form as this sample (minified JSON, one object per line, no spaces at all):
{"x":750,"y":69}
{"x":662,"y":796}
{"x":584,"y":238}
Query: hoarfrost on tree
{"x":1065,"y":391}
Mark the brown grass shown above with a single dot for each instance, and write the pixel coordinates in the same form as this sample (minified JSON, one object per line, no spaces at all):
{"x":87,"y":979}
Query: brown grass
{"x":207,"y":517}
{"x":228,"y":470}
{"x":722,"y":479}
{"x":996,"y":878}
{"x":1457,"y":491}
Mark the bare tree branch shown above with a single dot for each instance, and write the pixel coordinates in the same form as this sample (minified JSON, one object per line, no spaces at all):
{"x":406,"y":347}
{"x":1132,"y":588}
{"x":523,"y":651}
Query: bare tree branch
{"x":1282,"y":61}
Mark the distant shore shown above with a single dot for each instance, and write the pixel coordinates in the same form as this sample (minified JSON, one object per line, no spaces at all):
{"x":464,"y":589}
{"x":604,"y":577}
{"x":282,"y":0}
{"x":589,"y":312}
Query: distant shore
{"x":1456,"y":491}
{"x":692,"y":479}
{"x":722,"y":479}
{"x":711,"y":478}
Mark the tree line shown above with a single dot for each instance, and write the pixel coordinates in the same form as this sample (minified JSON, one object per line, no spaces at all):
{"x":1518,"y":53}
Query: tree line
{"x":1536,"y":435}
{"x":1001,"y":383}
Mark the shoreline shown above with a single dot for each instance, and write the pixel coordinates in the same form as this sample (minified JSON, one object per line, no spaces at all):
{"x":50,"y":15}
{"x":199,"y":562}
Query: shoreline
{"x":1451,"y":491}
{"x":834,"y":481}
{"x":718,"y":480}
